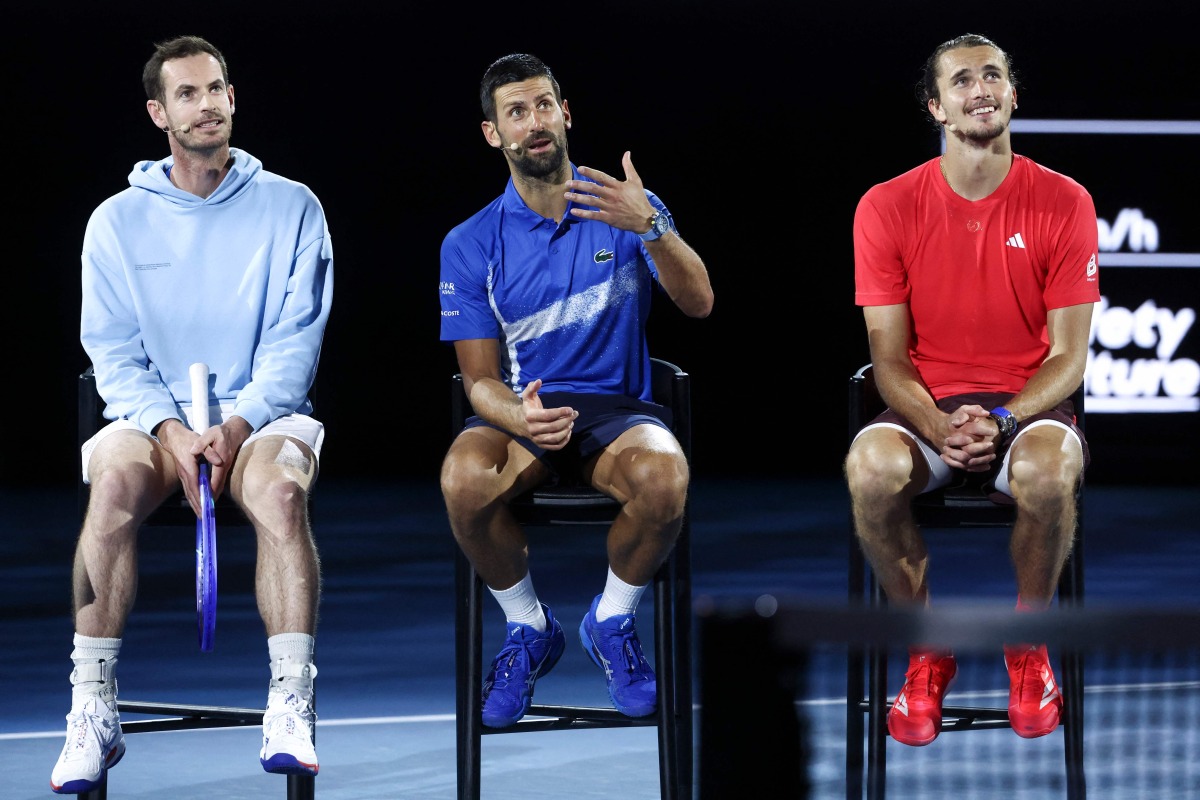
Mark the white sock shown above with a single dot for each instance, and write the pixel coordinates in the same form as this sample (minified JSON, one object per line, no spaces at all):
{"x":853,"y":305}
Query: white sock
{"x":90,"y":648}
{"x":520,"y":604}
{"x":297,"y":646}
{"x":618,"y":598}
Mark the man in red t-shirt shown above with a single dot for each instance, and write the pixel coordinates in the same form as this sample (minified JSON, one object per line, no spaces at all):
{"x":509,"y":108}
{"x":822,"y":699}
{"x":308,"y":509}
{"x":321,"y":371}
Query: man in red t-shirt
{"x":977,"y":274}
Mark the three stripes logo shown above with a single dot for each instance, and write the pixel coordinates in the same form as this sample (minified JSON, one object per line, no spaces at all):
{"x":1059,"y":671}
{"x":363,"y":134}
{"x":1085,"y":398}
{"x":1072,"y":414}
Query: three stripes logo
{"x":1016,"y":241}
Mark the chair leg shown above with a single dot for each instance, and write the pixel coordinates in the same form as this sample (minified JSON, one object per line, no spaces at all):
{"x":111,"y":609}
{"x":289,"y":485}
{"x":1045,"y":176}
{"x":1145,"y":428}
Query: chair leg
{"x":1070,"y":593}
{"x":301,"y":787}
{"x":877,"y":725}
{"x":99,"y":793}
{"x":877,"y":710}
{"x":855,"y":677}
{"x":468,"y":656}
{"x":1073,"y":729}
{"x":854,"y":722}
{"x":664,"y":657}
{"x":672,"y":644}
{"x":681,"y":607}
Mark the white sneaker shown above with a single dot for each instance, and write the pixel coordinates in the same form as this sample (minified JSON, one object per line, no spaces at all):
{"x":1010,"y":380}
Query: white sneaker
{"x":288,"y":734}
{"x":94,"y":745}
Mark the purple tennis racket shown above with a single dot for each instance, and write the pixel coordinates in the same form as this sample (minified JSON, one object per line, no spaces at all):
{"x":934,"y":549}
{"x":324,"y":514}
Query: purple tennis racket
{"x":206,"y":523}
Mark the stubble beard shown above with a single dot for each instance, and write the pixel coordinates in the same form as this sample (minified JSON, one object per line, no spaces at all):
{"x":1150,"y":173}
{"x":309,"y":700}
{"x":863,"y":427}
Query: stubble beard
{"x":987,"y":134}
{"x":207,"y":147}
{"x":540,"y":166}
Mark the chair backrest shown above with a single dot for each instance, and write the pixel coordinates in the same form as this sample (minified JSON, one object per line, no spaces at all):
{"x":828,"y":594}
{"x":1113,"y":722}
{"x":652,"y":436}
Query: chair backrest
{"x":563,"y":504}
{"x":964,"y":504}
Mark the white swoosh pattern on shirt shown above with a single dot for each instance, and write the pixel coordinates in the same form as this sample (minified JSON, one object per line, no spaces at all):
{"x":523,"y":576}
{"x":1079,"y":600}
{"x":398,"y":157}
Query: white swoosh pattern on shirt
{"x":576,"y":309}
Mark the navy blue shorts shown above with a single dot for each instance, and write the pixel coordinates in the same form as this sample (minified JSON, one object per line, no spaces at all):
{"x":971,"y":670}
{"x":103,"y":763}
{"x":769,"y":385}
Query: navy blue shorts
{"x":602,"y":418}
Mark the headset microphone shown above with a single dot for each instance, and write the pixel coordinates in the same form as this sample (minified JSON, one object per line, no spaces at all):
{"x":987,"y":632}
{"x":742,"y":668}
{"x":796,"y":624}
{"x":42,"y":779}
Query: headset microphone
{"x":516,"y":148}
{"x":952,"y":128}
{"x":184,"y":128}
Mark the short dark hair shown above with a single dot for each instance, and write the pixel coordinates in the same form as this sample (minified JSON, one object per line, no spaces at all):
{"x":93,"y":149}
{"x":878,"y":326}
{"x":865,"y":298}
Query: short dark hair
{"x":169,"y":50}
{"x":512,"y":68}
{"x":927,"y":88}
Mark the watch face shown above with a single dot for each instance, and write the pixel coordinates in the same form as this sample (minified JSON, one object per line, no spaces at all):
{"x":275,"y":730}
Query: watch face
{"x":660,"y":223}
{"x":1005,"y":422}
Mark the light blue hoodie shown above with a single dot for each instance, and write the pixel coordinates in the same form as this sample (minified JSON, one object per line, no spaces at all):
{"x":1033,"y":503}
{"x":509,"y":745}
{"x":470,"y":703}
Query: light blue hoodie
{"x":241,"y":280}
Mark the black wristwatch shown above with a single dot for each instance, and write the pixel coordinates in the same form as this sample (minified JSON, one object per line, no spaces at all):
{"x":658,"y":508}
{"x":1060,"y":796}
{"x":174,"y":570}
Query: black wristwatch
{"x":1005,"y":421}
{"x":659,"y":224}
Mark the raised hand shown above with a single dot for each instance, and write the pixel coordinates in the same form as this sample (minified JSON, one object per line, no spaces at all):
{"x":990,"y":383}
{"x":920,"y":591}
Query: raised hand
{"x":622,"y":204}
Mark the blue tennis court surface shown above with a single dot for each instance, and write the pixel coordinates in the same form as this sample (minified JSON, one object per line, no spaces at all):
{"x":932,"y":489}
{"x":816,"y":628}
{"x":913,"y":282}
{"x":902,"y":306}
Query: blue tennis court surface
{"x":386,"y":641}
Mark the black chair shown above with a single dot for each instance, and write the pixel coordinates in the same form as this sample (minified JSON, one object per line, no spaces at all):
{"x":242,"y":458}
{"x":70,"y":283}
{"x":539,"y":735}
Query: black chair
{"x":582,"y":505}
{"x":957,"y":506}
{"x":174,"y":512}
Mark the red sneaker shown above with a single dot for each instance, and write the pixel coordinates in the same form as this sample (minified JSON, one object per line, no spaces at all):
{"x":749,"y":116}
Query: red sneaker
{"x":1034,"y":701}
{"x":916,"y":716}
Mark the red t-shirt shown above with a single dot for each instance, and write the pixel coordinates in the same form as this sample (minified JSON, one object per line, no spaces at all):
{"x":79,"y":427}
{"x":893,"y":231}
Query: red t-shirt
{"x":978,"y":276}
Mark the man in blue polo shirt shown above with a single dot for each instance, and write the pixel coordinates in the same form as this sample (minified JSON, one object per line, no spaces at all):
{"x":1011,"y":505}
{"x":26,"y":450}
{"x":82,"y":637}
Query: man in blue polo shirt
{"x":545,"y":294}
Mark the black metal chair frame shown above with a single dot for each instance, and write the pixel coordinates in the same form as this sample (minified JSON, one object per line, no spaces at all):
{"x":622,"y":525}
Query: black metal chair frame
{"x":960,"y":506}
{"x":582,"y":505}
{"x":174,"y":512}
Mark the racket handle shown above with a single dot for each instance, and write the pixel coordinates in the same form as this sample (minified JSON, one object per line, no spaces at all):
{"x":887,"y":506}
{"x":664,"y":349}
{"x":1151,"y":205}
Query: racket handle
{"x":199,"y":375}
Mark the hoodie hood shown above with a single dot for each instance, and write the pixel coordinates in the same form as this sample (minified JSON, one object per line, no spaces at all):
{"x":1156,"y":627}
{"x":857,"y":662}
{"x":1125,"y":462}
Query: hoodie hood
{"x":153,"y":177}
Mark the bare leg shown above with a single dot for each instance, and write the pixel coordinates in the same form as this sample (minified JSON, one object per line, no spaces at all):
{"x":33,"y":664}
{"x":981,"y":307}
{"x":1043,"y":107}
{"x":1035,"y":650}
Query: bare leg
{"x":130,"y":475}
{"x":648,"y":473}
{"x":1045,"y":467}
{"x":884,"y":471}
{"x":270,"y":481}
{"x":483,"y":470}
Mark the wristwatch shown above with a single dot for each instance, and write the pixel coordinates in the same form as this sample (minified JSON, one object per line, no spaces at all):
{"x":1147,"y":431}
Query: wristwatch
{"x":1005,"y":421}
{"x":659,"y":224}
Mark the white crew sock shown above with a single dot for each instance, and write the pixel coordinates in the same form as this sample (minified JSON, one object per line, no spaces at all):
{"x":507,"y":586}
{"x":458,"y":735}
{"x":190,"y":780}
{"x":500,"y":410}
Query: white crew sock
{"x":618,"y":598}
{"x":520,"y":604}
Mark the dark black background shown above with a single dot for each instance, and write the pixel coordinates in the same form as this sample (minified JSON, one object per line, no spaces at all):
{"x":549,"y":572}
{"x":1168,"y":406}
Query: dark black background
{"x":759,"y":123}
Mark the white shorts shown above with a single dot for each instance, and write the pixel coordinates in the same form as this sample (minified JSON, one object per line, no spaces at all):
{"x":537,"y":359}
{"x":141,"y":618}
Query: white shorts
{"x":297,"y":426}
{"x":940,"y":472}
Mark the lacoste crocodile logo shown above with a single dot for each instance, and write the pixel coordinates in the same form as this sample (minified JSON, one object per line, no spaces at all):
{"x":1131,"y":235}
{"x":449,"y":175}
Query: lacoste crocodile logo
{"x":603,"y":255}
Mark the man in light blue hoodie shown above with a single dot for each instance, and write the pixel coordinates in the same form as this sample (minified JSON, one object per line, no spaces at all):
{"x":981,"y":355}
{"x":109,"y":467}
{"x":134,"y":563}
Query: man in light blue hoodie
{"x":206,"y":257}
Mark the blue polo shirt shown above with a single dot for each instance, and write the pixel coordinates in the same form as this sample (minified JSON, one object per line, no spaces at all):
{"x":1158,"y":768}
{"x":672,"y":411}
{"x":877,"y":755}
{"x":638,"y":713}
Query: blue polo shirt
{"x":568,"y":301}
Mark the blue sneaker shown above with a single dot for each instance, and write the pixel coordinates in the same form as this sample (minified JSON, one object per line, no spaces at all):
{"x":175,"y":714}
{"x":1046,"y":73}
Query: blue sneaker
{"x":527,"y":656}
{"x":614,"y":645}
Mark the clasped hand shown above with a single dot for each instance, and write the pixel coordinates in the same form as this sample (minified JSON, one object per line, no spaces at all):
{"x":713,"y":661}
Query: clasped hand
{"x":218,"y":446}
{"x":971,"y":441}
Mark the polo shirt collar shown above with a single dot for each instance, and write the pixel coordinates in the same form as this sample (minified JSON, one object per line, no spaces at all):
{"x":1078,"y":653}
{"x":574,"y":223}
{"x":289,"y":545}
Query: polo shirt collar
{"x":515,"y":205}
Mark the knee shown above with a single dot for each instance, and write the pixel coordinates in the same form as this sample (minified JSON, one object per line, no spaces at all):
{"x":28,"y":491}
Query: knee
{"x":876,"y":473}
{"x":659,"y":482}
{"x":1047,"y":484}
{"x":112,"y":487}
{"x":272,"y":496}
{"x":118,"y":496}
{"x":465,"y":486}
